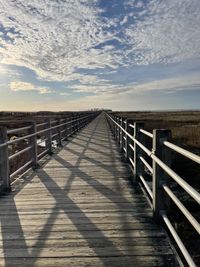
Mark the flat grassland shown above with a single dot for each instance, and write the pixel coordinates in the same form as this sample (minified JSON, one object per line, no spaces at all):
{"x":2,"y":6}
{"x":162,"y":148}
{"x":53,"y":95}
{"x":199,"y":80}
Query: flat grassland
{"x":185,"y":125}
{"x":185,"y":129}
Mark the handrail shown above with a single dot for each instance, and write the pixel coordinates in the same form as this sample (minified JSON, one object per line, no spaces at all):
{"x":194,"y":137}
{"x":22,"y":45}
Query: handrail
{"x":188,"y":188}
{"x":182,"y":208}
{"x":160,"y":190}
{"x":183,"y":151}
{"x":39,"y":132}
{"x":146,"y":133}
{"x":179,"y":242}
{"x":64,"y":128}
{"x":12,"y":131}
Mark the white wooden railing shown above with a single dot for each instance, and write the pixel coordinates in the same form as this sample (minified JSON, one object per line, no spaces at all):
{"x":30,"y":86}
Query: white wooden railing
{"x":131,"y":137}
{"x":51,"y":130}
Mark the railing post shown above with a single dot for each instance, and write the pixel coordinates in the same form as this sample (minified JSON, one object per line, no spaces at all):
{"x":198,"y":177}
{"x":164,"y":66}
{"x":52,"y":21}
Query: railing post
{"x":33,"y":143}
{"x":77,"y":123}
{"x":66,"y":128}
{"x":160,"y":199}
{"x":121,"y":134}
{"x":4,"y":162}
{"x":73,"y":122}
{"x":70,"y":126}
{"x":59,"y":134}
{"x":118,"y":133}
{"x":138,"y":166}
{"x":130,"y":130}
{"x":80,"y":122}
{"x":115,"y":132}
{"x":112,"y":124}
{"x":49,"y":137}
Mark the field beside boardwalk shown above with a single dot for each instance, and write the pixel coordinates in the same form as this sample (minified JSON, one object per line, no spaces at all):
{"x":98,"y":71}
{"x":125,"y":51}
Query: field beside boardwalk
{"x":185,"y":130}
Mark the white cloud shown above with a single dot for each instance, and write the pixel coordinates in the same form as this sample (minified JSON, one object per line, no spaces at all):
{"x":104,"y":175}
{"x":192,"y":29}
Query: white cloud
{"x":56,"y":38}
{"x":6,"y":72}
{"x":64,"y":94}
{"x":25,"y":86}
{"x":187,"y":82}
{"x":168,"y":32}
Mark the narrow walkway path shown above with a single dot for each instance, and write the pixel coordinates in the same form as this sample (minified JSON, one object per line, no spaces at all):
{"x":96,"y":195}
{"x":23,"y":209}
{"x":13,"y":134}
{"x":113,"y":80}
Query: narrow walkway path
{"x":81,"y":210}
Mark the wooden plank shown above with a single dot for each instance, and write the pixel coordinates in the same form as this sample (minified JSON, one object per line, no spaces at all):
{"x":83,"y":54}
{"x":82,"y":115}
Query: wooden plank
{"x":106,"y":251}
{"x":76,"y":234}
{"x":81,"y":242}
{"x":128,"y":261}
{"x":81,"y":210}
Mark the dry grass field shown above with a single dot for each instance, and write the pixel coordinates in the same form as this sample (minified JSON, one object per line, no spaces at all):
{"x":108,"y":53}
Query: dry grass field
{"x":185,"y":125}
{"x":185,"y":128}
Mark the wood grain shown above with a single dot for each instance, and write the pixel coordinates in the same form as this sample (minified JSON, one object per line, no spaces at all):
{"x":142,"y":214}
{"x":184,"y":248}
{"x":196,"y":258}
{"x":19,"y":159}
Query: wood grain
{"x":81,"y":209}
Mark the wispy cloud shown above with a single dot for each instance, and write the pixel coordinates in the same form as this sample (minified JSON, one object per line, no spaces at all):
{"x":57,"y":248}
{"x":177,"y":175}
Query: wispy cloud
{"x":165,"y":32}
{"x":58,"y":39}
{"x":24,"y":86}
{"x":6,"y":72}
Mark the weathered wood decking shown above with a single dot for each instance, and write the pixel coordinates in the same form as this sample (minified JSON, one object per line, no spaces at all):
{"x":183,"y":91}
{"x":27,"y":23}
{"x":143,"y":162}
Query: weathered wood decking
{"x":81,"y":210}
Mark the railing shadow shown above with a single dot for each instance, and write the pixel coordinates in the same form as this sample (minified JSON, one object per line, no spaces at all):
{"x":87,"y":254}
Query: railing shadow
{"x":57,"y":193}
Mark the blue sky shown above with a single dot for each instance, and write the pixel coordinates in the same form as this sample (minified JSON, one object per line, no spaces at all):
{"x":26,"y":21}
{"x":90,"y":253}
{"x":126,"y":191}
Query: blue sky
{"x":82,"y":54}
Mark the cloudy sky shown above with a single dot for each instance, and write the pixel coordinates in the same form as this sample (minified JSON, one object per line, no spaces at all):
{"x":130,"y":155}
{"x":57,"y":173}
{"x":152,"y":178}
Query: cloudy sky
{"x":81,"y":54}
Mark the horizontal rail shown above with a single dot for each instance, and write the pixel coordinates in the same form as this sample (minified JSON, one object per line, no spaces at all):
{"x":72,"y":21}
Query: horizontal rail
{"x":146,"y":186}
{"x":19,"y":153}
{"x":146,"y":133}
{"x":180,"y":244}
{"x":131,"y":125}
{"x":146,"y":164}
{"x":17,"y":130}
{"x":182,"y":208}
{"x":31,"y":143}
{"x":20,"y":169}
{"x":41,"y":124}
{"x":188,"y":188}
{"x":38,"y":132}
{"x":131,"y":147}
{"x":158,"y":197}
{"x":43,"y":153}
{"x":183,"y":151}
{"x":131,"y":161}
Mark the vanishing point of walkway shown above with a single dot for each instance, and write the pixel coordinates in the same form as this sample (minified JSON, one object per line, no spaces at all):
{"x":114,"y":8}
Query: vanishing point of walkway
{"x":80,"y":209}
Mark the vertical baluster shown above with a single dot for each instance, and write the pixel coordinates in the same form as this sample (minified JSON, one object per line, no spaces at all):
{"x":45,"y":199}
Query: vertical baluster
{"x":33,"y":144}
{"x":4,"y":162}
{"x":130,"y":130}
{"x":49,"y":136}
{"x":66,"y":128}
{"x":138,"y":165}
{"x":121,"y":133}
{"x":59,"y":136}
{"x":118,"y":133}
{"x":160,"y":199}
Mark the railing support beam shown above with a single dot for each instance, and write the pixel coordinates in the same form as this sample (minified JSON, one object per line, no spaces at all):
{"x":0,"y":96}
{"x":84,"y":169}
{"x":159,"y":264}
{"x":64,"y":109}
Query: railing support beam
{"x":129,"y":152}
{"x":138,"y":168}
{"x":49,"y":138}
{"x":4,"y":163}
{"x":33,"y":144}
{"x":160,"y":200}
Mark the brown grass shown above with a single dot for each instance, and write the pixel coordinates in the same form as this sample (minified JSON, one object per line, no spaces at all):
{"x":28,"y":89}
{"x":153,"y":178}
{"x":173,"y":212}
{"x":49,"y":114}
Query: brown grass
{"x":185,"y":125}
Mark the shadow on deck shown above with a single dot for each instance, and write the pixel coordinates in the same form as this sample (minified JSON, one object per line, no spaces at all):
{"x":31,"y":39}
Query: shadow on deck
{"x":80,"y":209}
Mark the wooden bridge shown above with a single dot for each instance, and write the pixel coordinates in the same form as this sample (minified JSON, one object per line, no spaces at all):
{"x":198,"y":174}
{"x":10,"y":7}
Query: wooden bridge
{"x":82,"y":208}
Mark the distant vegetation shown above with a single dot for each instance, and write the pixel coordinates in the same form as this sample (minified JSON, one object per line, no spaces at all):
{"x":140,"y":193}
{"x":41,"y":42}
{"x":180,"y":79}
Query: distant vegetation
{"x":185,"y":125}
{"x":185,"y":128}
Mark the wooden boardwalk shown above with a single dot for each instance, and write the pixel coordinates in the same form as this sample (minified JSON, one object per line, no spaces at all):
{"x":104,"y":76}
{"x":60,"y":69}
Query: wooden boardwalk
{"x":81,"y":210}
